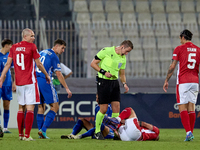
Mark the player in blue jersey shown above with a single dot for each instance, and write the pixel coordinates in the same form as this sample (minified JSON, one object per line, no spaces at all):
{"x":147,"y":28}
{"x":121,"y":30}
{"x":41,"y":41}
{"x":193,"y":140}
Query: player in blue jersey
{"x":48,"y":94}
{"x":6,"y":90}
{"x":83,"y":123}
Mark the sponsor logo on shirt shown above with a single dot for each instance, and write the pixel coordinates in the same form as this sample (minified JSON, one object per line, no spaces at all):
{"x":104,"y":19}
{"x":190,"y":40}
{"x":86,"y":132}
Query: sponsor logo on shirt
{"x":20,"y":49}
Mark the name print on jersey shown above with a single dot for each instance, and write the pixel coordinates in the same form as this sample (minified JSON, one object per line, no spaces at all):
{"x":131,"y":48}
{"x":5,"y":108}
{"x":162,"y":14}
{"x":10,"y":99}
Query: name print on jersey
{"x":191,"y":49}
{"x":20,"y":49}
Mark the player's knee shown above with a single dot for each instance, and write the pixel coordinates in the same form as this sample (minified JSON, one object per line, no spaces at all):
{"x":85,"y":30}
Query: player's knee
{"x":6,"y":104}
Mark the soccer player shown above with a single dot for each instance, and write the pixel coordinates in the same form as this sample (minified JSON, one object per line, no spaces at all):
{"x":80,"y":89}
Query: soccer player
{"x":48,"y":94}
{"x":6,"y":90}
{"x":187,"y":56}
{"x":112,"y":61}
{"x":66,"y":73}
{"x":24,"y":55}
{"x":83,"y":123}
{"x":129,"y":129}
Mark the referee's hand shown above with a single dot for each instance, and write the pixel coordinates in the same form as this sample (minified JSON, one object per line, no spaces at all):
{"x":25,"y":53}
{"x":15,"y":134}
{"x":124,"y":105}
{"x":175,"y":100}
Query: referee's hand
{"x":108,"y":74}
{"x":126,"y":88}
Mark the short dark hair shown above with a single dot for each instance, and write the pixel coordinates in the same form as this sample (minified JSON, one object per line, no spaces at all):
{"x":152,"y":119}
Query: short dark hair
{"x":6,"y":41}
{"x":60,"y":42}
{"x":127,"y":43}
{"x":186,"y":34}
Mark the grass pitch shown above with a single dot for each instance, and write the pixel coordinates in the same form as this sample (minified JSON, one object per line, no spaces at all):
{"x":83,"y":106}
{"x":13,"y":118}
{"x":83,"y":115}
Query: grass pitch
{"x":170,"y":139}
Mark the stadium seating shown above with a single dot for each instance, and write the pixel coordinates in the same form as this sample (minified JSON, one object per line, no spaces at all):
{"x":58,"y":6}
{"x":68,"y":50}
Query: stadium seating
{"x":152,"y":25}
{"x":187,"y":6}
{"x":172,"y":6}
{"x":111,"y":6}
{"x":127,"y":6}
{"x":142,"y":6}
{"x":96,"y":6}
{"x":157,"y":6}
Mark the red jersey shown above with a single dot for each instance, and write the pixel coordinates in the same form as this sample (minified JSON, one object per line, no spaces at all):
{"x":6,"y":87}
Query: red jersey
{"x":148,"y":134}
{"x":23,"y":55}
{"x":188,"y":56}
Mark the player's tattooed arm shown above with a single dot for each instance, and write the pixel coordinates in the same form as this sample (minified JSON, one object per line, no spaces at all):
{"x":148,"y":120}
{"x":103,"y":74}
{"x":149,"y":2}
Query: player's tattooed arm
{"x":12,"y":74}
{"x":171,"y":69}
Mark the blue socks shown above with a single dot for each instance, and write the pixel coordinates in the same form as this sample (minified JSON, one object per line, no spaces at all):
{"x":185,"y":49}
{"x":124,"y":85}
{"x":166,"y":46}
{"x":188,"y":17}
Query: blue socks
{"x":91,"y":131}
{"x":6,"y":115}
{"x":48,"y":120}
{"x":77,"y":127}
{"x":40,"y":121}
{"x":88,"y":133}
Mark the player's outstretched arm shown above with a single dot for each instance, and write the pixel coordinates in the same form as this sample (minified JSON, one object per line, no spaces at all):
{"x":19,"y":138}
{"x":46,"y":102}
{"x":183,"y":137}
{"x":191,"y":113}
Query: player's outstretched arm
{"x":5,"y":70}
{"x":13,"y":79}
{"x":41,"y":67}
{"x":62,"y":81}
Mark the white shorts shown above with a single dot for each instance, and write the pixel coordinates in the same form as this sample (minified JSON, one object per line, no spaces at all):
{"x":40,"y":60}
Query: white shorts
{"x":129,"y":131}
{"x":28,"y":94}
{"x":187,"y":92}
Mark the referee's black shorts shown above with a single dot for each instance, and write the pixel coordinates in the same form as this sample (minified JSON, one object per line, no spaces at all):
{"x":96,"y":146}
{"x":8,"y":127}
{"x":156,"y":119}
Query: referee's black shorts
{"x":108,"y":91}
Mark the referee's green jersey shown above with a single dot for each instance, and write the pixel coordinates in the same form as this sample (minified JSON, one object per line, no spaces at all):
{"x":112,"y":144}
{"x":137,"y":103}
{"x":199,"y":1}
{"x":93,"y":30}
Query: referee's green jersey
{"x":111,"y":62}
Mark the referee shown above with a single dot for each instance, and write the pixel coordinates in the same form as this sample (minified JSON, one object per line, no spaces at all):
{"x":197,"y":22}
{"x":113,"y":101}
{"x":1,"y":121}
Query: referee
{"x":112,"y":61}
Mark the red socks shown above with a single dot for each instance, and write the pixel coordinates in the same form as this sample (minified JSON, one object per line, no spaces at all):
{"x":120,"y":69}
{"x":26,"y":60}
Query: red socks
{"x":29,"y":122}
{"x":20,"y":122}
{"x":192,"y":116}
{"x":125,"y":113}
{"x":185,"y":119}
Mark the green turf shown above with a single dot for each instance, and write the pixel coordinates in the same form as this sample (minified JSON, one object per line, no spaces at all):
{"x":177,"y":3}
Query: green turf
{"x":170,"y":139}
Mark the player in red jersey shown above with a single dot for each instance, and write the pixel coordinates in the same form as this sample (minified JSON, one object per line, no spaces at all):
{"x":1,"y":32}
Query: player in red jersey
{"x":130,"y":129}
{"x":24,"y":56}
{"x":187,"y":56}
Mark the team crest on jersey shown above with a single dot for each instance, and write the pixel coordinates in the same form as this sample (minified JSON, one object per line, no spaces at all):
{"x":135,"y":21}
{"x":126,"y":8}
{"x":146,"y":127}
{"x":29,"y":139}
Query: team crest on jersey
{"x":58,"y":65}
{"x":119,"y":65}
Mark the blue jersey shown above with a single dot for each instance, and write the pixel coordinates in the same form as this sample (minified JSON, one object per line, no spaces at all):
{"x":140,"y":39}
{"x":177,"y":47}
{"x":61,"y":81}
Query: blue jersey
{"x":109,"y":110}
{"x":50,"y":62}
{"x":3,"y":60}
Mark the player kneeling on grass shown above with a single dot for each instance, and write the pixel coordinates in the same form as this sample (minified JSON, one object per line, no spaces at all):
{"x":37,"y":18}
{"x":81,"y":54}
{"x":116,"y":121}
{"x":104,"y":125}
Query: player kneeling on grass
{"x":129,"y":129}
{"x":83,"y":123}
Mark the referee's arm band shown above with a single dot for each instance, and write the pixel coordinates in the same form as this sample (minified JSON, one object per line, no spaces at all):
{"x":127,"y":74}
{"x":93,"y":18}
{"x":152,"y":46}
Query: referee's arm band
{"x":97,"y":58}
{"x":102,"y":71}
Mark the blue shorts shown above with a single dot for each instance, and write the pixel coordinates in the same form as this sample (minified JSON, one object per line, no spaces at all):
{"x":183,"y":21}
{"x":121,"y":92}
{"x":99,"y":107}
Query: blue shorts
{"x":6,"y":92}
{"x":48,"y":93}
{"x":109,"y":136}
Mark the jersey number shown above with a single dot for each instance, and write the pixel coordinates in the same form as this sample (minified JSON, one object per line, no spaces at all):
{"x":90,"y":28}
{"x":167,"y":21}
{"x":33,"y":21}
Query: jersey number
{"x":193,"y":61}
{"x":42,"y":61}
{"x":20,"y":62}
